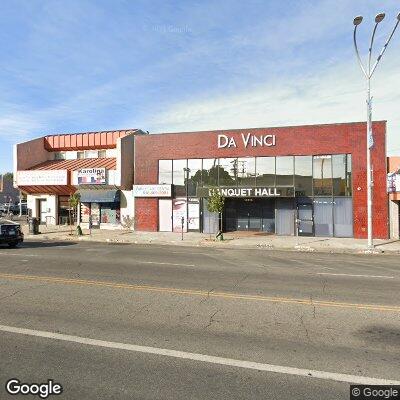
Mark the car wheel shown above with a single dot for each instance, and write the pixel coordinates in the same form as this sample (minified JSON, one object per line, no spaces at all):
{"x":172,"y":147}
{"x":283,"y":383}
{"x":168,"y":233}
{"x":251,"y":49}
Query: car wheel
{"x":12,"y":245}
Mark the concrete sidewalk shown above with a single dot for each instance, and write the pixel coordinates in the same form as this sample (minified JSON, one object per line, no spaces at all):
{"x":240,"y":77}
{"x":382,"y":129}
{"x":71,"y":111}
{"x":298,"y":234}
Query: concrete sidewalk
{"x":232,"y":240}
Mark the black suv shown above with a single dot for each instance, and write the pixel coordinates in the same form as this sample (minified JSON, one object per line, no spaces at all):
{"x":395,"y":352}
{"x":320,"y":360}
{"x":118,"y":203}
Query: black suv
{"x":10,"y":233}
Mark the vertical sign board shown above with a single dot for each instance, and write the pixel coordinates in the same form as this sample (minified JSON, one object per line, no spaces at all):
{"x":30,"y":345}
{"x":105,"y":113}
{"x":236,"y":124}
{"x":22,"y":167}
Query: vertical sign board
{"x":194,"y":216}
{"x":179,"y":210}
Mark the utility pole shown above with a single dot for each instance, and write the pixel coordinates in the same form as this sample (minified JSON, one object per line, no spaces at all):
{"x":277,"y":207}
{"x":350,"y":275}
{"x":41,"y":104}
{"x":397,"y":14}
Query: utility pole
{"x":368,"y":73}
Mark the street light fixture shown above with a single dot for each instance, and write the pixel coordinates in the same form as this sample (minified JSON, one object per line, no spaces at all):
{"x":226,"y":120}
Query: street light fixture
{"x":368,"y":73}
{"x":357,"y":20}
{"x":379,"y":17}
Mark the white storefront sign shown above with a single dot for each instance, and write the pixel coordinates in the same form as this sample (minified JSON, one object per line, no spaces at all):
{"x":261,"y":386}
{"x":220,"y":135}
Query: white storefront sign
{"x":247,"y":140}
{"x":92,"y":176}
{"x":42,"y":177}
{"x":152,"y":190}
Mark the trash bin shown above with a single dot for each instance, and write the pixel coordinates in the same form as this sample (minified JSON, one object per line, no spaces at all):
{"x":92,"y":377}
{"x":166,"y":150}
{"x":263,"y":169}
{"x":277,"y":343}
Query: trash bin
{"x":33,"y":226}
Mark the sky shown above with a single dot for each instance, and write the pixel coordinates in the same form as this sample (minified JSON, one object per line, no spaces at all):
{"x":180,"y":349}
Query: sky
{"x":165,"y":66}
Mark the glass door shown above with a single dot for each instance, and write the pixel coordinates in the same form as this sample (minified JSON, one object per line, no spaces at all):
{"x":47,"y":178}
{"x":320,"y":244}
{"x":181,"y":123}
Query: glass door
{"x":95,"y":215}
{"x":306,"y":219}
{"x":194,"y":217}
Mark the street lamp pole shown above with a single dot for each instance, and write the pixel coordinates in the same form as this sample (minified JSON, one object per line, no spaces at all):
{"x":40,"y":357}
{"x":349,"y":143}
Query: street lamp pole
{"x":368,"y":73}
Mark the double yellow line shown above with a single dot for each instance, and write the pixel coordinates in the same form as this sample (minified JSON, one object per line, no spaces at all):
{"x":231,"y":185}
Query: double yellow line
{"x":191,"y":292}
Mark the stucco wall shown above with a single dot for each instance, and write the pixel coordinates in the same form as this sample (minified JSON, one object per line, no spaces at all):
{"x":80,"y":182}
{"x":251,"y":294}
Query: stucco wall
{"x":51,"y":207}
{"x":127,"y":206}
{"x":394,"y":207}
{"x":125,"y":162}
{"x":29,"y":154}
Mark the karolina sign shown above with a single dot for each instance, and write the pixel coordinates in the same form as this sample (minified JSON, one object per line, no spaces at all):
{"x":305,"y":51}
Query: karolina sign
{"x":92,"y":176}
{"x":247,"y":140}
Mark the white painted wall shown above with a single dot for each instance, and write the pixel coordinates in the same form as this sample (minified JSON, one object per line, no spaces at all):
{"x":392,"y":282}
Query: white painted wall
{"x":29,"y":154}
{"x":394,"y":207}
{"x":127,"y":205}
{"x":51,"y":213}
{"x":111,"y":153}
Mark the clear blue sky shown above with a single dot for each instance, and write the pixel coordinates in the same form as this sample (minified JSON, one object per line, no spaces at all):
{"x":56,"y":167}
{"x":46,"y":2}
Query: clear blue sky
{"x":77,"y":65}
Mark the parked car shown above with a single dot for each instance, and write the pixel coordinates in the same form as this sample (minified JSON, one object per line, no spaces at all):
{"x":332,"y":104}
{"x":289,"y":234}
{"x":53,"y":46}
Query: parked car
{"x":3,"y":209}
{"x":10,"y":233}
{"x":15,"y":208}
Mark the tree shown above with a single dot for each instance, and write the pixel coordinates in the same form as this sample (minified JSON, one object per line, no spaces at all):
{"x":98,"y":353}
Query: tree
{"x":128,"y":222}
{"x":216,"y":205}
{"x":74,"y":200}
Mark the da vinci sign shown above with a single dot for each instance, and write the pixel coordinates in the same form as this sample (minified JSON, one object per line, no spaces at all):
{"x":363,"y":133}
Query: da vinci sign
{"x":247,"y":140}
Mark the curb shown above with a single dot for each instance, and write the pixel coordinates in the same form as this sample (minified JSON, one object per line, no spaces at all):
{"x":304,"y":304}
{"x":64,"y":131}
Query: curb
{"x":217,"y":245}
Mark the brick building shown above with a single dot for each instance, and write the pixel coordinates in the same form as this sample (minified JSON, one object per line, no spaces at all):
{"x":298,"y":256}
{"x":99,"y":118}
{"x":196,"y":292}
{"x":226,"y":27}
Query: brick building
{"x":271,"y":177}
{"x":97,"y":164}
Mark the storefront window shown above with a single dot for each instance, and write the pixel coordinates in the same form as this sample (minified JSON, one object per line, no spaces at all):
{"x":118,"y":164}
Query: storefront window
{"x":165,"y":172}
{"x":343,"y":217}
{"x":109,"y":213}
{"x":265,"y":171}
{"x":210,"y":172}
{"x":228,"y":172}
{"x":179,"y":174}
{"x":85,"y":212}
{"x":284,"y":171}
{"x":341,"y":167}
{"x":322,"y":174}
{"x":323,"y":216}
{"x":303,"y":178}
{"x":194,"y":174}
{"x":63,"y":210}
{"x":246,"y":175}
{"x":60,"y":155}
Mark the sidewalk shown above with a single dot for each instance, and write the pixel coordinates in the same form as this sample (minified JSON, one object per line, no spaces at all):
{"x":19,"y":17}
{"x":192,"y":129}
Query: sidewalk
{"x":232,"y":240}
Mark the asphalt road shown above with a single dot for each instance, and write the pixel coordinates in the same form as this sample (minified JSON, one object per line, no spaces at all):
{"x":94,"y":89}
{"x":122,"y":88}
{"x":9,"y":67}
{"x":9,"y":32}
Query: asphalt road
{"x":304,"y":317}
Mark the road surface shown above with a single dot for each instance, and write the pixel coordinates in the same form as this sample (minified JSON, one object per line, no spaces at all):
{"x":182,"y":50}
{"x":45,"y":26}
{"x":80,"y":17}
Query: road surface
{"x":168,"y":322}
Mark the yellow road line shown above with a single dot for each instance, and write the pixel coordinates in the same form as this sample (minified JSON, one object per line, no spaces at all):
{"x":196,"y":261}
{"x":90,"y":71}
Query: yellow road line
{"x":192,"y":292}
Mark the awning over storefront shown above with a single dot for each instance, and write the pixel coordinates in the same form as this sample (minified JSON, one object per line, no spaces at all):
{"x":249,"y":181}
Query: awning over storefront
{"x":100,"y":196}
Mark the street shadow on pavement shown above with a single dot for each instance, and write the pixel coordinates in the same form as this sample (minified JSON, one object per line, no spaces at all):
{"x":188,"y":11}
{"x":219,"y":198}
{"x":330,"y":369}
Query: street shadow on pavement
{"x":38,"y":244}
{"x":387,"y":242}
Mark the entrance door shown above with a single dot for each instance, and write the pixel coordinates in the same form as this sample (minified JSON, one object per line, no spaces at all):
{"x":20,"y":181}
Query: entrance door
{"x":306,"y":219}
{"x":95,"y":214}
{"x":194,"y":217}
{"x":41,"y":207}
{"x":245,"y":214}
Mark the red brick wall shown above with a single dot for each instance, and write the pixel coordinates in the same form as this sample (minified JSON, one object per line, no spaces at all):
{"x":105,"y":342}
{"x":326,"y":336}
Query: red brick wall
{"x":146,"y":214}
{"x":297,"y":140}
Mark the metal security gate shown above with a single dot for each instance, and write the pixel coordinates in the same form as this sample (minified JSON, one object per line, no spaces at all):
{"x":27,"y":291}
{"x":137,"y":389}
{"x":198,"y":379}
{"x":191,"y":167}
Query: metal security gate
{"x":284,"y":217}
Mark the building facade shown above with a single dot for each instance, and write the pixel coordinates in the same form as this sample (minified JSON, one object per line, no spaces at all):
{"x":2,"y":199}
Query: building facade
{"x":274,"y":180}
{"x":98,"y":164}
